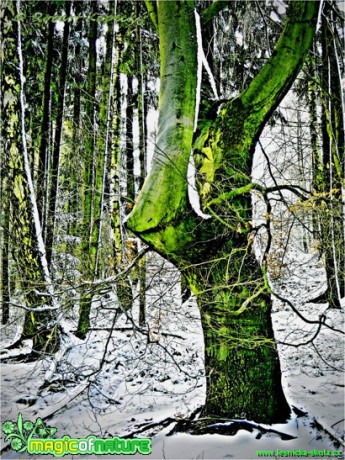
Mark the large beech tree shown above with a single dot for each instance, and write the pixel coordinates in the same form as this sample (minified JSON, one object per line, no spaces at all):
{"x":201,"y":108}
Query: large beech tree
{"x":213,"y":248}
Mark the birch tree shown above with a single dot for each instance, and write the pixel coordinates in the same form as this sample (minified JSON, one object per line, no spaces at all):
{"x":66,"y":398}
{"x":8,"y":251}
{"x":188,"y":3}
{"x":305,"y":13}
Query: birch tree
{"x":212,"y":244}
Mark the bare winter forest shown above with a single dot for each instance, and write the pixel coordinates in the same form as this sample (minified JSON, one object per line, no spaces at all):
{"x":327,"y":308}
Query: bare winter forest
{"x":172,"y":229}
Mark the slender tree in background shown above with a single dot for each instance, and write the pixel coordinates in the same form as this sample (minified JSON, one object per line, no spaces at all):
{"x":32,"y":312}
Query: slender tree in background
{"x":75,"y":176}
{"x":332,"y":221}
{"x":141,"y":105}
{"x":55,"y":162}
{"x":130,"y":196}
{"x":314,"y":139}
{"x":142,"y":150}
{"x":42,"y":173}
{"x":124,"y":160}
{"x":324,"y":89}
{"x":104,"y":141}
{"x":215,"y":254}
{"x":89,"y":170}
{"x":99,"y":150}
{"x":5,"y":203}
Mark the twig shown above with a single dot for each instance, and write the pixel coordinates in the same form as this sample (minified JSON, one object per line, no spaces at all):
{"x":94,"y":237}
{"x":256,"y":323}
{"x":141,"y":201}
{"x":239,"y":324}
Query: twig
{"x":148,"y":426}
{"x":322,"y":359}
{"x":321,"y":321}
{"x":124,"y":329}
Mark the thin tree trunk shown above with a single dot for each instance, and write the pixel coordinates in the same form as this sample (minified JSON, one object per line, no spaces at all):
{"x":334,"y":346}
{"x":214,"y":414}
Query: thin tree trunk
{"x":5,"y":202}
{"x":331,"y":222}
{"x":89,"y":175}
{"x":123,"y":289}
{"x":142,"y":159}
{"x":54,"y":170}
{"x":90,"y":110}
{"x":129,"y":143}
{"x":338,"y":159}
{"x":41,"y":182}
{"x":103,"y":145}
{"x":141,"y":103}
{"x":75,"y":176}
{"x":317,"y":168}
{"x":115,"y":185}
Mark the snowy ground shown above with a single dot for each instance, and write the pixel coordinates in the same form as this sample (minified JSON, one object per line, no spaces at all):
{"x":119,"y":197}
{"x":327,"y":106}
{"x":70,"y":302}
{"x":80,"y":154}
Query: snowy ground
{"x":140,"y":382}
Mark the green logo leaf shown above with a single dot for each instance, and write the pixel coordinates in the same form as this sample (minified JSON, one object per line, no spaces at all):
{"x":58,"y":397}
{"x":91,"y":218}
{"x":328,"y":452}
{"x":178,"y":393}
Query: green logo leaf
{"x":21,"y":432}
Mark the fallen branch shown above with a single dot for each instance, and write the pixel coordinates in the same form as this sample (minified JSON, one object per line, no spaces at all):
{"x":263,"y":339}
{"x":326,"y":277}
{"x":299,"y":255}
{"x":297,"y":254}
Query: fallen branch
{"x":125,"y":329}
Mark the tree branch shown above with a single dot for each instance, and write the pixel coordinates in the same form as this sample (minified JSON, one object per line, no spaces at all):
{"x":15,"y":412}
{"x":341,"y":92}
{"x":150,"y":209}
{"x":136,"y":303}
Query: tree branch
{"x":152,"y":10}
{"x":273,"y":81}
{"x":210,"y":12}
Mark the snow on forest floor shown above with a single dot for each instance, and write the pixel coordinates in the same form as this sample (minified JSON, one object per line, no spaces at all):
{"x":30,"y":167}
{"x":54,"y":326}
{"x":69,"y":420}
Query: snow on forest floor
{"x":140,"y":382}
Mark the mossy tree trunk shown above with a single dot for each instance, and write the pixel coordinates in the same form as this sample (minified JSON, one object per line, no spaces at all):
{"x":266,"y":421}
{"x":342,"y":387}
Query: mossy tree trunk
{"x":129,"y":142}
{"x":103,"y":145}
{"x":142,"y":152}
{"x":242,"y":368}
{"x":28,"y":252}
{"x":215,"y":253}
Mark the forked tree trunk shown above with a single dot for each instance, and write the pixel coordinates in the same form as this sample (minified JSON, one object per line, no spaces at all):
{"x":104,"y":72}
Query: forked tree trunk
{"x":214,"y":253}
